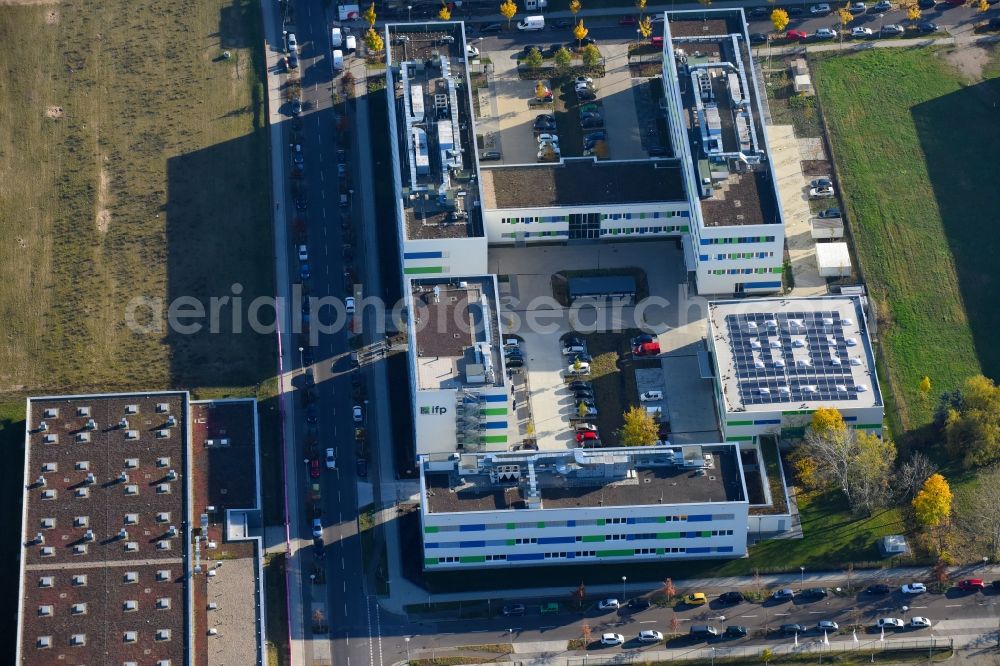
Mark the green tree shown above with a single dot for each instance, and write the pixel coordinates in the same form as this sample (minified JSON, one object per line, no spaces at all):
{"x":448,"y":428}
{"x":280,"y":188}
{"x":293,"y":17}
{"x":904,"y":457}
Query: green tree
{"x":827,"y":419}
{"x":932,"y":505}
{"x":591,"y":56}
{"x":562,"y":58}
{"x":766,"y":655}
{"x":925,"y":386}
{"x":444,"y":13}
{"x":779,"y":19}
{"x":639,"y":428}
{"x":645,"y":27}
{"x":369,"y":15}
{"x":575,"y":6}
{"x":534,"y":59}
{"x":374,"y":41}
{"x":579,"y":32}
{"x":844,"y":16}
{"x":913,"y":11}
{"x":508,"y":9}
{"x":972,"y":427}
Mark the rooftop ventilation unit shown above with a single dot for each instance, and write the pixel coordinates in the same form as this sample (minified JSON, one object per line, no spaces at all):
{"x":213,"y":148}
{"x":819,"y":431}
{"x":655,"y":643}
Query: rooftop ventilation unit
{"x":163,"y":603}
{"x":171,"y":475}
{"x":131,"y":519}
{"x":49,"y":494}
{"x":861,"y":388}
{"x":162,"y":575}
{"x":779,"y":363}
{"x":40,"y":482}
{"x":828,"y":321}
{"x":131,"y":547}
{"x":162,"y":407}
{"x":91,"y":424}
{"x":78,"y":580}
{"x":846,"y":322}
{"x":81,"y":521}
{"x":91,"y":479}
{"x":123,"y":424}
{"x":50,"y":439}
{"x":172,"y":531}
{"x":48,"y":551}
{"x":754,"y":344}
{"x":799,"y":343}
{"x":82,"y":465}
{"x":46,"y":581}
{"x":122,"y":534}
{"x":82,"y":492}
{"x":82,"y":437}
{"x":80,"y":549}
{"x":213,"y":606}
{"x":123,"y":477}
{"x":39,"y":539}
{"x":79,"y":608}
{"x":784,"y":390}
{"x":43,"y":426}
{"x":163,"y":488}
{"x":162,"y":545}
{"x":43,"y":642}
{"x":851,"y":342}
{"x":765,"y":391}
{"x":855,"y":361}
{"x":162,"y":434}
{"x":171,"y":421}
{"x":49,"y":467}
{"x":132,"y":489}
{"x":50,"y":412}
{"x":83,"y":411}
{"x":808,"y":388}
{"x":213,"y":631}
{"x":162,"y":462}
{"x":88,"y":535}
{"x":131,"y":577}
{"x":163,"y":516}
{"x":771,"y":323}
{"x":131,"y":409}
{"x":48,"y":523}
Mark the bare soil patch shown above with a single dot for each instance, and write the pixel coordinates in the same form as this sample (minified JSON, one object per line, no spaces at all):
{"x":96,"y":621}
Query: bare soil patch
{"x":814,"y":168}
{"x":968,"y":60}
{"x":54,"y":112}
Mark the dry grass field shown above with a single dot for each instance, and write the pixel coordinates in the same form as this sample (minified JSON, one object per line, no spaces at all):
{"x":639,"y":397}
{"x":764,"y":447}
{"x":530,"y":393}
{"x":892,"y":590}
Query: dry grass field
{"x":132,"y":163}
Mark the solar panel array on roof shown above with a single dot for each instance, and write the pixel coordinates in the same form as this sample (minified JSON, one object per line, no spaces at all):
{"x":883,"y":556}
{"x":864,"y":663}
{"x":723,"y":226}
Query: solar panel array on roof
{"x":792,"y":357}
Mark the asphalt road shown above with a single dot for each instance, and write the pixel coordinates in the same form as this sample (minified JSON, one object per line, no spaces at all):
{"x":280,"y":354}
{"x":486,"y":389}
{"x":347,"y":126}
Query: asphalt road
{"x":349,"y":612}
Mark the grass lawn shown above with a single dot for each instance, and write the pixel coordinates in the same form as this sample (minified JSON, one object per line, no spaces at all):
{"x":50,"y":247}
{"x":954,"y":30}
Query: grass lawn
{"x":277,"y":610}
{"x":917,"y":210}
{"x":132,"y":163}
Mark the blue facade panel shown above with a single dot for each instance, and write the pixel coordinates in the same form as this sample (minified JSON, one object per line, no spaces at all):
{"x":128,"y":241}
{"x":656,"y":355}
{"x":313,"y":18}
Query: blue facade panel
{"x":422,"y":255}
{"x":569,"y":539}
{"x":698,"y":550}
{"x":498,"y":397}
{"x":471,"y":544}
{"x":495,"y":425}
{"x":700,"y":518}
{"x":524,"y":557}
{"x":767,"y":422}
{"x":472,"y":528}
{"x":762,"y":285}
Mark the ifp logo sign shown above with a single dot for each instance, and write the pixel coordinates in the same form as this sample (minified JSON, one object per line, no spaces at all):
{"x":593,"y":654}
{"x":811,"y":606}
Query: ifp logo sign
{"x":433,"y":409}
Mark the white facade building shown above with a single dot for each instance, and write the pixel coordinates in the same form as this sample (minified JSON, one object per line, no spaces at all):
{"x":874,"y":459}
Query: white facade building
{"x":779,"y":359}
{"x":584,"y":505}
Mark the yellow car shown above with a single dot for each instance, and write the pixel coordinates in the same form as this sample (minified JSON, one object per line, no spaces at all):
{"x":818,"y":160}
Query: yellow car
{"x":696,"y":599}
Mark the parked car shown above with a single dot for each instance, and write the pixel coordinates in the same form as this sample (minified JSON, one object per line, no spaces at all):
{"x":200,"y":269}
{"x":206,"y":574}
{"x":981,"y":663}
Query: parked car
{"x":829,"y":214}
{"x":292,"y":42}
{"x":650,"y":636}
{"x":918,"y":622}
{"x":790,"y":629}
{"x":543,"y":125}
{"x":758,"y":12}
{"x":879,"y":588}
{"x":600,"y":135}
{"x":586,"y":95}
{"x":608,"y":604}
{"x":821,"y":193}
{"x":913,"y":588}
{"x":592,"y":123}
{"x":651,"y":396}
{"x":783,"y":594}
{"x":331,"y":459}
{"x":814,"y":593}
{"x":927,"y":27}
{"x":972,"y":584}
{"x":638,"y":604}
{"x":696,"y":599}
{"x":825,"y":33}
{"x":583,"y":369}
{"x":490,"y":28}
{"x":861,"y":32}
{"x":646,"y":349}
{"x":731,"y":597}
{"x":361,"y":467}
{"x":513,"y":609}
{"x":585,"y":427}
{"x":490,"y":156}
{"x":881,"y":7}
{"x":357,"y":414}
{"x":794,"y":10}
{"x":758,"y":38}
{"x":827,"y":625}
{"x":303,"y":253}
{"x":583,"y":80}
{"x":820,"y":10}
{"x":797,"y":35}
{"x":317,"y":528}
{"x":889,"y":623}
{"x":547,"y":138}
{"x":612,"y":639}
{"x":586,"y":436}
{"x":590,"y":115}
{"x":927,"y":4}
{"x":296,"y":106}
{"x":704,"y":632}
{"x":735,"y":631}
{"x":857,"y":8}
{"x":314,"y":468}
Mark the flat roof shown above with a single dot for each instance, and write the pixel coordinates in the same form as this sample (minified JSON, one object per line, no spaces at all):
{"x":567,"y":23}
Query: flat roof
{"x":727,"y":136}
{"x":435,"y":131}
{"x":587,"y":478}
{"x":225,"y":466}
{"x":78,"y":500}
{"x":772,"y":353}
{"x":607,"y":284}
{"x":582,"y":182}
{"x":457,"y":332}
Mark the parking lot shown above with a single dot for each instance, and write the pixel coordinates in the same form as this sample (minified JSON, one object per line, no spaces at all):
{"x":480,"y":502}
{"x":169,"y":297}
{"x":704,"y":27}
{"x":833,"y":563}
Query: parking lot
{"x":677,"y":321}
{"x":618,"y":98}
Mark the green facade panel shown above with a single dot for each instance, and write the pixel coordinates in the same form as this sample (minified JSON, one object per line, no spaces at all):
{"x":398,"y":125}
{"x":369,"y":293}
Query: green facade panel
{"x":421,"y":270}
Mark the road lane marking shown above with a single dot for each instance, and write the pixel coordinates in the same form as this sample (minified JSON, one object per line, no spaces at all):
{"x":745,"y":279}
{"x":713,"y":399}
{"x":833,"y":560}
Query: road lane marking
{"x":647,"y":622}
{"x":748,"y":616}
{"x":786,"y":614}
{"x":953,"y":605}
{"x":321,"y":178}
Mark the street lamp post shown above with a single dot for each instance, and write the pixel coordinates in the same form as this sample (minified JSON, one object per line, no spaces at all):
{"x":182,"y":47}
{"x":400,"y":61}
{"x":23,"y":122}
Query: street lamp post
{"x":713,"y":656}
{"x":302,"y":362}
{"x":366,"y":411}
{"x":623,"y":589}
{"x":409,"y":13}
{"x":406,"y":640}
{"x":802,"y":576}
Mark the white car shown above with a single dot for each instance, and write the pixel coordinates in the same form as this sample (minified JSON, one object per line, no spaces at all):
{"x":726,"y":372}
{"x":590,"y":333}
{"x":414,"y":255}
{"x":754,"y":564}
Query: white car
{"x":349,"y":304}
{"x":825,"y":33}
{"x":821,"y":193}
{"x":471,"y":51}
{"x":331,"y":459}
{"x":612,"y":639}
{"x":583,"y":369}
{"x":892,"y":29}
{"x":547,"y":138}
{"x":293,"y":44}
{"x":913,"y":588}
{"x":583,"y":80}
{"x":861,"y":32}
{"x":608,"y":604}
{"x":827,"y":625}
{"x":651,"y":396}
{"x":586,"y":427}
{"x":303,"y":253}
{"x":919,"y":622}
{"x":822,"y":8}
{"x":889,"y":623}
{"x":569,"y":350}
{"x":583,"y":86}
{"x":650,"y":636}
{"x":317,"y":528}
{"x":358,"y":414}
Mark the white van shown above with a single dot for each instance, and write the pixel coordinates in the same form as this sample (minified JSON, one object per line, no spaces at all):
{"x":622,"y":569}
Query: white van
{"x":336,"y":38}
{"x":338,"y":60}
{"x":351,"y":43}
{"x":532,"y":23}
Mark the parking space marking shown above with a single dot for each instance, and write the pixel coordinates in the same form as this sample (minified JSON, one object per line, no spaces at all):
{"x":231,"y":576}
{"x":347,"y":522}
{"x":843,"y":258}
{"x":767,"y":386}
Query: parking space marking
{"x":748,"y":616}
{"x":953,"y":605}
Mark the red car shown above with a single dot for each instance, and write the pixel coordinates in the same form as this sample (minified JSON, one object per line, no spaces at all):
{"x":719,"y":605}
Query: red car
{"x":972,"y":584}
{"x":586,"y":436}
{"x":646,"y":349}
{"x":627,"y":20}
{"x":314,"y":468}
{"x":797,"y":35}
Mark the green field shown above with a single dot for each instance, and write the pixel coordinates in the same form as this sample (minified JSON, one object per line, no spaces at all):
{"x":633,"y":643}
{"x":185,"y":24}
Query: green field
{"x":132,"y":163}
{"x":907,"y":132}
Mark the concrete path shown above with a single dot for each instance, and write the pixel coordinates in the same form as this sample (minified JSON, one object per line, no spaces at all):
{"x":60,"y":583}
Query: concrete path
{"x":273,"y":50}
